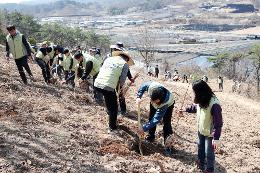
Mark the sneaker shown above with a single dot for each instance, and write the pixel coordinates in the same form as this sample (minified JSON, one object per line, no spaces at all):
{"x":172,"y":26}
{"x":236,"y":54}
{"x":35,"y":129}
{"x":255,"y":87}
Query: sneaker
{"x":150,"y":138}
{"x":112,"y":131}
{"x":168,"y":151}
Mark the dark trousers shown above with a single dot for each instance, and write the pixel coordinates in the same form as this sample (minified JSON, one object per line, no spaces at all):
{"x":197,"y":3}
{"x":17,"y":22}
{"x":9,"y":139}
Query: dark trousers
{"x":156,"y":75}
{"x":220,"y":86}
{"x":80,"y":72}
{"x":23,"y":63}
{"x":111,"y":104}
{"x":122,"y":103}
{"x":167,"y":127}
{"x":70,"y":79}
{"x":45,"y":69}
{"x":205,"y":151}
{"x":97,"y":95}
{"x":66,"y":75}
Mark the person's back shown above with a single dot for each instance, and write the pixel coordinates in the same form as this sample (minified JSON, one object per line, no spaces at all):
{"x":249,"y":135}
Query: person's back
{"x":156,"y":71}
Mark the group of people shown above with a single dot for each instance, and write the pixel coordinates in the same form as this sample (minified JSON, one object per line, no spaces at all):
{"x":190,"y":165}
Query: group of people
{"x":109,"y":77}
{"x":153,"y":71}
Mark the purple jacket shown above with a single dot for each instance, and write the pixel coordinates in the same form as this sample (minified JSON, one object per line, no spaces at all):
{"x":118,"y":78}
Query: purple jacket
{"x":216,"y":112}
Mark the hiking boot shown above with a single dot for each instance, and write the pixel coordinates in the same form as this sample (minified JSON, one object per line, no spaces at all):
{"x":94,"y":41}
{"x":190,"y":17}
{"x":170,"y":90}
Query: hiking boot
{"x":123,"y":113}
{"x":150,"y":138}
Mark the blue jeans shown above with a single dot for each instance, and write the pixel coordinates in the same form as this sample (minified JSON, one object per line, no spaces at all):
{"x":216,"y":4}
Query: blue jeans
{"x":206,"y":151}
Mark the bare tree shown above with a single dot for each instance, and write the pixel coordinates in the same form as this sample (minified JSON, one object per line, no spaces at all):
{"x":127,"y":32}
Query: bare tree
{"x":145,"y":44}
{"x":234,"y":59}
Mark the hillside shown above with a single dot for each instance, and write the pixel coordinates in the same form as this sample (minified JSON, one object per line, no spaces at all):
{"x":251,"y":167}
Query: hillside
{"x":53,"y":129}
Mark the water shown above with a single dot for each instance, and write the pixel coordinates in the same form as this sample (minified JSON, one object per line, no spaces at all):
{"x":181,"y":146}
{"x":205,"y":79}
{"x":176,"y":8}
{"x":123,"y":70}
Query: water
{"x":201,"y":61}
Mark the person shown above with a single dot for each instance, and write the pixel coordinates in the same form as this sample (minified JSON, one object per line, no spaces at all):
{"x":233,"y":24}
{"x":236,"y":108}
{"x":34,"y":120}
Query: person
{"x":69,"y":65}
{"x":115,"y":52}
{"x":185,"y":78}
{"x":112,"y":75}
{"x":17,"y":45}
{"x":205,"y":78}
{"x":57,"y":66}
{"x":220,"y":83}
{"x":91,"y":66}
{"x":42,"y":60}
{"x":78,"y":49}
{"x":161,"y":107}
{"x":156,"y":71}
{"x":98,"y":56}
{"x":209,"y":120}
{"x":150,"y":71}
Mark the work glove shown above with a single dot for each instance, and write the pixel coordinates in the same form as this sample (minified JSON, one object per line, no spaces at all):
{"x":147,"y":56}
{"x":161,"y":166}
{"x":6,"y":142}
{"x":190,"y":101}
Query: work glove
{"x":216,"y":144}
{"x":132,"y":80}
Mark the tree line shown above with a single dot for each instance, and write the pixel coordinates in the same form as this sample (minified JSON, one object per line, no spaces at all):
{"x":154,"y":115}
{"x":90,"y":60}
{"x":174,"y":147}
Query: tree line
{"x":58,"y":33}
{"x":240,"y":66}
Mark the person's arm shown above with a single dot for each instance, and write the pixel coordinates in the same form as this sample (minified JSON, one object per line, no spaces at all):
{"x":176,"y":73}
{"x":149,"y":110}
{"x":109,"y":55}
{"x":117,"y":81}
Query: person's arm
{"x":216,"y":112}
{"x":7,"y":48}
{"x":191,"y":109}
{"x":160,"y":112}
{"x":27,"y":46}
{"x":88,"y":68}
{"x":129,"y":75}
{"x":143,"y":88}
{"x":71,"y":63}
{"x":123,"y":75}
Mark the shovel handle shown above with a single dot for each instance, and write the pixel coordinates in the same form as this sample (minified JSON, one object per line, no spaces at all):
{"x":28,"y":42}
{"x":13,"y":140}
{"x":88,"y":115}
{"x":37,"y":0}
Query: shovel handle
{"x":139,"y":125}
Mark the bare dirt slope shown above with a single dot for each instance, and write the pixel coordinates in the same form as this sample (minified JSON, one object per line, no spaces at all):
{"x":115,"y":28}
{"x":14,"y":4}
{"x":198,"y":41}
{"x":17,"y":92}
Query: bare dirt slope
{"x":53,"y":129}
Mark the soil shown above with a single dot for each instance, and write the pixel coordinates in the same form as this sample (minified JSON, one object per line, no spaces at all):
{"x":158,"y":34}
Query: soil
{"x":51,"y":128}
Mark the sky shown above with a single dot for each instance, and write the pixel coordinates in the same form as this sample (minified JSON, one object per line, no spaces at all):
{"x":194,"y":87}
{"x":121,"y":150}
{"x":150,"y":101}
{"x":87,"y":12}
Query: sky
{"x":12,"y":1}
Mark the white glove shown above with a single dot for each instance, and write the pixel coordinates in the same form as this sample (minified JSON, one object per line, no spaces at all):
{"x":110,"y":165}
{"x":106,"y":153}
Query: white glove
{"x":216,"y":144}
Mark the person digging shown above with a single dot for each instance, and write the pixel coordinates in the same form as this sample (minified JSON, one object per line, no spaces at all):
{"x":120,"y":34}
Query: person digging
{"x":161,"y":107}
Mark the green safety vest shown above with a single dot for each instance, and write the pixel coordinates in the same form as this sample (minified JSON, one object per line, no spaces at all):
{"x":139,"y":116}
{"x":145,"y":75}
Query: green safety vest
{"x":51,"y":54}
{"x":99,"y":58}
{"x":16,"y":45}
{"x":155,"y":85}
{"x":96,"y":64}
{"x":110,"y":72}
{"x":39,"y":55}
{"x":74,"y":65}
{"x":67,"y":62}
{"x":205,"y":119}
